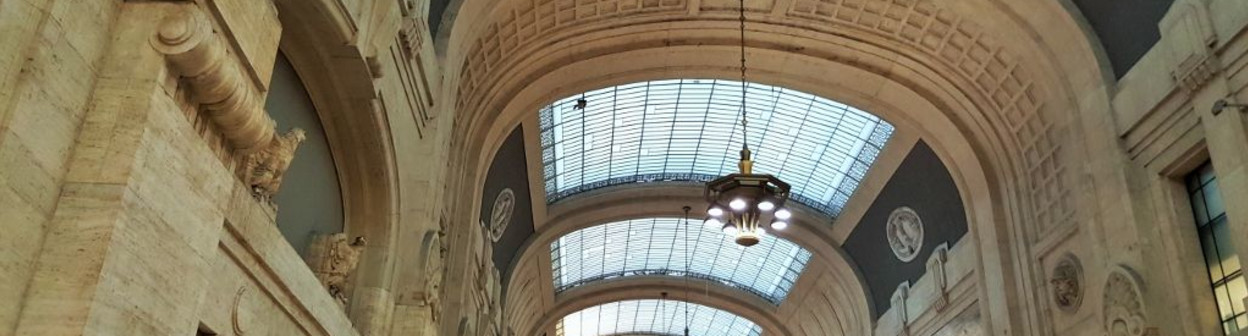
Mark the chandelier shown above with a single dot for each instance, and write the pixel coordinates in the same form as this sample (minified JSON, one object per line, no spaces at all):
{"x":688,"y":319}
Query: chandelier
{"x":740,"y":202}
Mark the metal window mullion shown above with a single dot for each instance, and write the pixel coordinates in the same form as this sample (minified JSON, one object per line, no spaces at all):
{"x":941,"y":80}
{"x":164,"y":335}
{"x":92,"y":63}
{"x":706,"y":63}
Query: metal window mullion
{"x":834,"y":128}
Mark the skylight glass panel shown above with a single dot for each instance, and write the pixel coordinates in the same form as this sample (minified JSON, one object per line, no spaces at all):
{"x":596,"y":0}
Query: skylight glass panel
{"x":688,"y":130}
{"x":666,"y":246}
{"x":654,"y":317}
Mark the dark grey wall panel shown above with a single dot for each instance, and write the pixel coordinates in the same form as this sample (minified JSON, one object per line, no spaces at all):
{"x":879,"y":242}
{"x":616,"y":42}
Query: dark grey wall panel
{"x":310,"y":201}
{"x":1127,"y":28}
{"x":509,"y":170}
{"x":922,"y":183}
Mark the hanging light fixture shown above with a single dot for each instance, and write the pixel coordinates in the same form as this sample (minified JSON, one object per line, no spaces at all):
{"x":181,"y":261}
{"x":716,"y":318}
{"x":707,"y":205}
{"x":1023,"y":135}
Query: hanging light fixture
{"x":740,"y":202}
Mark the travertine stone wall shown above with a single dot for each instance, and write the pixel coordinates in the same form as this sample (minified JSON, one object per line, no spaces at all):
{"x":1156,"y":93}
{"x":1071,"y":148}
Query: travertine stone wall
{"x":123,"y":204}
{"x":52,"y":49}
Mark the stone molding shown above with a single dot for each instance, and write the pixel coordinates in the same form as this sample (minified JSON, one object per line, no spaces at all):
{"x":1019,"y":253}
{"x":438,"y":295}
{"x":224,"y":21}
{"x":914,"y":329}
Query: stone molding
{"x":936,"y":269}
{"x":900,"y":295}
{"x":218,"y":84}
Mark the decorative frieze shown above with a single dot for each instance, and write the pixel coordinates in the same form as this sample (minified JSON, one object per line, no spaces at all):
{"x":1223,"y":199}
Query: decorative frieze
{"x":1194,"y":72}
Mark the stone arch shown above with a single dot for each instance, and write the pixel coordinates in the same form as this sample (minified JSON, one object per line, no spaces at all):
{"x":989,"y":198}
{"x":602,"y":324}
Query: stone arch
{"x":637,"y":201}
{"x":954,"y":150}
{"x":337,"y":78}
{"x":757,"y":311}
{"x":1003,"y":124}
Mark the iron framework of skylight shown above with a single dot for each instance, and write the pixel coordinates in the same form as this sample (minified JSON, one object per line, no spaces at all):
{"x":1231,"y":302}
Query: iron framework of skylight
{"x":687,"y":130}
{"x":654,"y":317}
{"x":666,"y":246}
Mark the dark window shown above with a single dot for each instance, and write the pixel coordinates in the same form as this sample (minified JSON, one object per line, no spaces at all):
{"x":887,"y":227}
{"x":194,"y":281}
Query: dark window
{"x":1225,"y":273}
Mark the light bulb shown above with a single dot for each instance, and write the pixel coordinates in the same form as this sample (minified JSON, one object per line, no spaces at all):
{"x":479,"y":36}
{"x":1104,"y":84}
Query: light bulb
{"x":715,"y":212}
{"x":779,"y":225}
{"x":713,"y":223}
{"x":783,"y":214}
{"x":730,"y":230}
{"x":761,"y":232}
{"x":737,"y":204}
{"x":766,"y":206}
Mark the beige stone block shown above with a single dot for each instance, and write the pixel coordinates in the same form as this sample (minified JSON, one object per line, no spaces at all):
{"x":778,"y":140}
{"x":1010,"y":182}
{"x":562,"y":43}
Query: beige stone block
{"x":112,"y":130}
{"x":253,"y":27}
{"x":19,"y":249}
{"x":86,"y":25}
{"x":30,"y":182}
{"x":64,"y":285}
{"x":19,"y":20}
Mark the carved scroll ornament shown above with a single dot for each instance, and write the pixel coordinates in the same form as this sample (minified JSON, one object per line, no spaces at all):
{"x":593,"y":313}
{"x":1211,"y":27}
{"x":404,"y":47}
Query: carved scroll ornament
{"x":216,"y":81}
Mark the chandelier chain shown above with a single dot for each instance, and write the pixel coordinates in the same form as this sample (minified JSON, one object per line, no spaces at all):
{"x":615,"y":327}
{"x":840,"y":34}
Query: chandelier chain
{"x":744,"y":123}
{"x":688,"y":266}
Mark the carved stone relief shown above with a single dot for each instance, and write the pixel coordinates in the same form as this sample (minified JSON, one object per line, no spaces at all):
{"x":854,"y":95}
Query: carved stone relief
{"x":333,"y":259}
{"x":500,"y":216}
{"x":905,"y":233}
{"x":1066,"y":279}
{"x":1124,"y":304}
{"x":264,"y":169}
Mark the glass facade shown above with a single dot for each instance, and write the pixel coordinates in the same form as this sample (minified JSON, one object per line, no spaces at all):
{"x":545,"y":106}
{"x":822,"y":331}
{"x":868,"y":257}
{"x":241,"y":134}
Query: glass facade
{"x":666,"y":246}
{"x":654,"y":317}
{"x":1225,"y":272}
{"x":688,"y":130}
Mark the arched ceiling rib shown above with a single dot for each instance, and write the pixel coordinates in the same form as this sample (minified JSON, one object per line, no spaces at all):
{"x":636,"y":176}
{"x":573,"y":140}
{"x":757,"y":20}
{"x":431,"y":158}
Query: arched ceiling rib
{"x":667,"y":246}
{"x":688,"y":130}
{"x":654,"y":317}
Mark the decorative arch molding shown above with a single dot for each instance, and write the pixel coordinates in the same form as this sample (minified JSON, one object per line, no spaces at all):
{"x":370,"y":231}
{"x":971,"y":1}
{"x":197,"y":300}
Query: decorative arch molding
{"x":810,"y":229}
{"x":701,"y":292}
{"x":1007,"y":123}
{"x":337,"y":79}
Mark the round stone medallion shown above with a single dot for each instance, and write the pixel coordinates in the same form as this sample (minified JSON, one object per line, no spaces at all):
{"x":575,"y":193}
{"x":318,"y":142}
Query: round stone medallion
{"x":905,"y":233}
{"x":500,"y":217}
{"x":1067,"y":282}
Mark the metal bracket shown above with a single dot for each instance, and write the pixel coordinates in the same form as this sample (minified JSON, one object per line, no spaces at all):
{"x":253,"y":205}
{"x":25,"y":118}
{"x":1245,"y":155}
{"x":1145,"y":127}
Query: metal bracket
{"x":1222,"y":104}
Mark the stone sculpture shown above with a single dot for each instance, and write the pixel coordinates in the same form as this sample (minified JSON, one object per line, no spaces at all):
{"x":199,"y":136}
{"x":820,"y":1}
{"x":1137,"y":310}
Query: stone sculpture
{"x":265,"y":168}
{"x":335,"y":259}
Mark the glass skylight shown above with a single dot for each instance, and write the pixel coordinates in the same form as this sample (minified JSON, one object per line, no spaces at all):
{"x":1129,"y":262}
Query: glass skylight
{"x":666,"y":246}
{"x":654,"y":317}
{"x":688,"y":130}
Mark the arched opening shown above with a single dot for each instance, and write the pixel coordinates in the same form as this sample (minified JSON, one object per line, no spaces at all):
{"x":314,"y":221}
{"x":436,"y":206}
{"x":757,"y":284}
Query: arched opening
{"x":655,"y":317}
{"x":310,"y":201}
{"x":916,"y":98}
